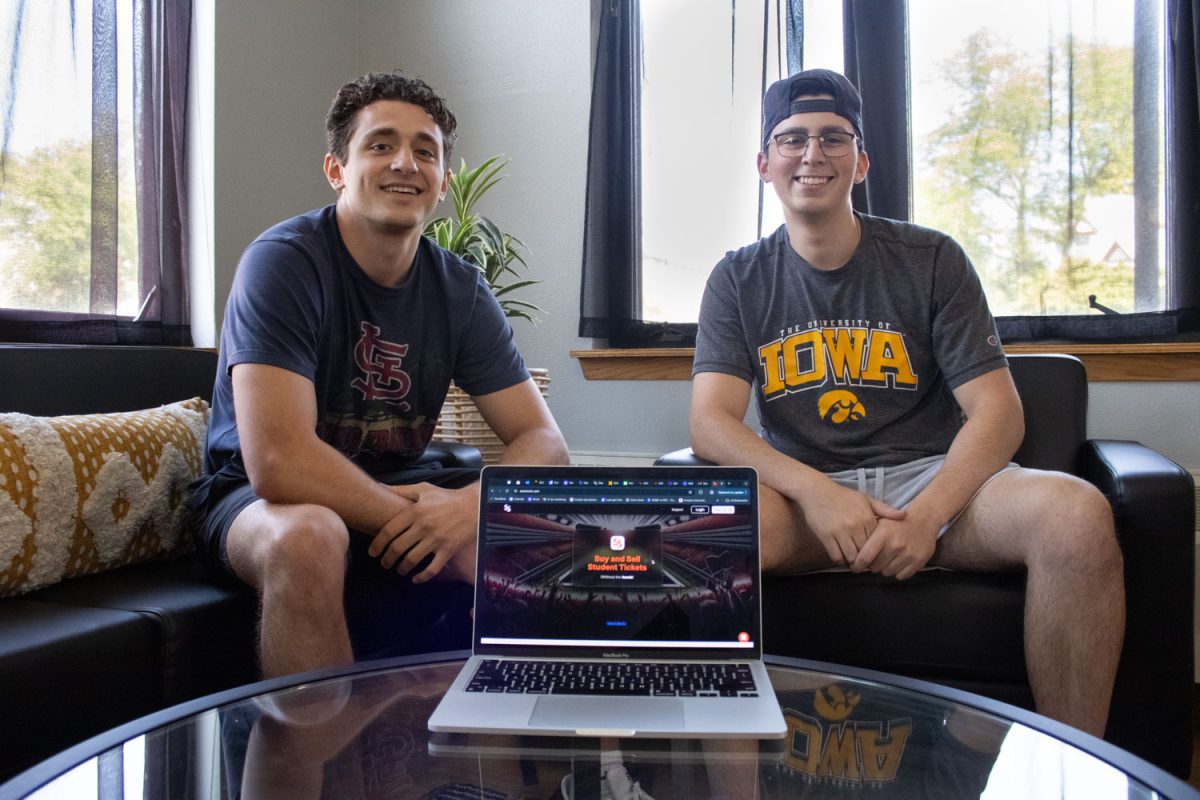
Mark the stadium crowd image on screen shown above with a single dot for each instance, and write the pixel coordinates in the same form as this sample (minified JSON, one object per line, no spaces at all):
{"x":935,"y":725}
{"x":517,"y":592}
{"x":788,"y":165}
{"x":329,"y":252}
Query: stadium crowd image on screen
{"x":634,"y":564}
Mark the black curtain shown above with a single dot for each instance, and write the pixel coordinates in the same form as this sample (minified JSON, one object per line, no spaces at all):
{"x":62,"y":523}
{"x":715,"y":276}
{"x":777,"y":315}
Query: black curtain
{"x":612,"y":251}
{"x":1183,"y":160}
{"x":161,"y":44}
{"x":875,"y":37}
{"x":160,"y":108}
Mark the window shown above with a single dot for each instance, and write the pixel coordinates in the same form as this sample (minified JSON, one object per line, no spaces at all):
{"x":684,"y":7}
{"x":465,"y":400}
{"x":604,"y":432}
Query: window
{"x":91,"y":187}
{"x":1037,"y":137}
{"x":701,"y":196}
{"x":58,"y":202}
{"x":1036,"y":149}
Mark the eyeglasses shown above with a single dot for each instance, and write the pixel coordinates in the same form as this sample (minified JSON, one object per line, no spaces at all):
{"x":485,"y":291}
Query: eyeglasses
{"x":791,"y":145}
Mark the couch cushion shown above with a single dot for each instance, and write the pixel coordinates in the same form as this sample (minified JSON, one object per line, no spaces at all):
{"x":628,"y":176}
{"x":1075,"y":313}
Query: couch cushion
{"x":87,"y":493}
{"x":206,"y":629}
{"x":67,"y":674}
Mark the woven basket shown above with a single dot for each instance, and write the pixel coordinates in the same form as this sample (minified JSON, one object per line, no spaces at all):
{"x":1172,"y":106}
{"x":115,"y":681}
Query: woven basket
{"x":460,"y":420}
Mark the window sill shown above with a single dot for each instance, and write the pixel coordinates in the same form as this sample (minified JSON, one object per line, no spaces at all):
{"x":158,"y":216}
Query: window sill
{"x":1104,"y":362}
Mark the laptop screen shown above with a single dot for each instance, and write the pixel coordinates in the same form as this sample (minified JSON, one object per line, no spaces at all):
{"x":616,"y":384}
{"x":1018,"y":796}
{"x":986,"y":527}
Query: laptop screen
{"x":644,"y":562}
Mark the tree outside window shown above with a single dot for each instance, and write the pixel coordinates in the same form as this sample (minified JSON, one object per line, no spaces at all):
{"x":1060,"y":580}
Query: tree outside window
{"x":50,"y":157}
{"x":93,"y":189}
{"x":1025,"y":144}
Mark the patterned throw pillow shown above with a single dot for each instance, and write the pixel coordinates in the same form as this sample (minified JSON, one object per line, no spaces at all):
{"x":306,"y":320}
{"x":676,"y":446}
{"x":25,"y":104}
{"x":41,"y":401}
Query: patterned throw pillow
{"x":85,"y":494}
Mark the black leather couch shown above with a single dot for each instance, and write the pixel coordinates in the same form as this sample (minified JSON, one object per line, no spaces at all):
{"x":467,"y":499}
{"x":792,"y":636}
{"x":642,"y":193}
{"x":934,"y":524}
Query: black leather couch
{"x":87,"y":654}
{"x":964,"y":629}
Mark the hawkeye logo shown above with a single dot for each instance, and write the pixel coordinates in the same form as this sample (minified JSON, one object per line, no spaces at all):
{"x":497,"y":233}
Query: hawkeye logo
{"x":848,"y":355}
{"x":834,"y":704}
{"x":839,"y":407}
{"x":829,"y":747}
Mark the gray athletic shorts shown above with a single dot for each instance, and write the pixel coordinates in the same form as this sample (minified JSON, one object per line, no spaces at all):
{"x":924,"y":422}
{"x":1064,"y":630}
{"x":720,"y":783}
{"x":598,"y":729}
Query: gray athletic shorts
{"x":899,"y":485}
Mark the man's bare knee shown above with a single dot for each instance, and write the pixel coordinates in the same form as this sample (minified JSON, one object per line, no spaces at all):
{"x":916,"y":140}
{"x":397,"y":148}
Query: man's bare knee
{"x":312,"y":543}
{"x":300,"y":542}
{"x":1079,"y":532}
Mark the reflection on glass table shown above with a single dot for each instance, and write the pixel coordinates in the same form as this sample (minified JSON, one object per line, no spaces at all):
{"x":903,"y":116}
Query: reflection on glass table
{"x":361,"y":733}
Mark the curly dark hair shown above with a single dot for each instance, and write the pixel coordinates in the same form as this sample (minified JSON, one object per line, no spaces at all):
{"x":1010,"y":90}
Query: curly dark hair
{"x":360,"y":93}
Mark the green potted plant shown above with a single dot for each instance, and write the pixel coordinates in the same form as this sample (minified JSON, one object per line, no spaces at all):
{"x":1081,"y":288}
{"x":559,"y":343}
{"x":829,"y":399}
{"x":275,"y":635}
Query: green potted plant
{"x":497,"y":254}
{"x":479,"y":241}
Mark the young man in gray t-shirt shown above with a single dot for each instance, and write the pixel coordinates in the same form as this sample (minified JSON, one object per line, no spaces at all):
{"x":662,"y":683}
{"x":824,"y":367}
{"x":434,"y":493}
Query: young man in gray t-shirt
{"x":889,"y":415}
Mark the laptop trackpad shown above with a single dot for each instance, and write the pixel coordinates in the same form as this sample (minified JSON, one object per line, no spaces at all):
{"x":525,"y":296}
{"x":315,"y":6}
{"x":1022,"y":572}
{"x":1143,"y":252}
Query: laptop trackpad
{"x":607,"y":713}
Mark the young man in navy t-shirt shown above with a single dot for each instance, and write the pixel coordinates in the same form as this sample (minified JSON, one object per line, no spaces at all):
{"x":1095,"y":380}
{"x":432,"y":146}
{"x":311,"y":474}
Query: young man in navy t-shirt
{"x":342,"y":332}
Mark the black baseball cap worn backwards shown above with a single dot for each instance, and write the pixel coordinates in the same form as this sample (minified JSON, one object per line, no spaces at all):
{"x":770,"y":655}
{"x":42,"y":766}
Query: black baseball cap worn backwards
{"x":778,"y":104}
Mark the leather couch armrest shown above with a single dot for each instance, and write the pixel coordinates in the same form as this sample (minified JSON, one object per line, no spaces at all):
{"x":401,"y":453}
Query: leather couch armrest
{"x":1153,"y":501}
{"x":454,"y":454}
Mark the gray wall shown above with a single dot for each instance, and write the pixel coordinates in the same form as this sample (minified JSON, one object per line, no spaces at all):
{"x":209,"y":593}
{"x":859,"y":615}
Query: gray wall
{"x":277,"y":65}
{"x":517,"y":75}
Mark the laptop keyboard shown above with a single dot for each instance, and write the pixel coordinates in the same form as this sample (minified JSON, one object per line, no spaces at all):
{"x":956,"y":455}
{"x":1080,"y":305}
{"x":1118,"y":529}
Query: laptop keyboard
{"x":613,"y":678}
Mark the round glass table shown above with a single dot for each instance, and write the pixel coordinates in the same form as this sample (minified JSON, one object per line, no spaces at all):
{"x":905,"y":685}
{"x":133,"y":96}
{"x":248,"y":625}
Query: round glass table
{"x":360,"y":732}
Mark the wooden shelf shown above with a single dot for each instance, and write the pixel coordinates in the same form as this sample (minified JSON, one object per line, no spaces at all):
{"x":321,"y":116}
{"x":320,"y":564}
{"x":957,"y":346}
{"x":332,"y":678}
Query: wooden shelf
{"x":1104,"y":362}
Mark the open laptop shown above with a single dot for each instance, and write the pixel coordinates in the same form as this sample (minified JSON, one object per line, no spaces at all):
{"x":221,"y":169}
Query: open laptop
{"x":616,"y":601}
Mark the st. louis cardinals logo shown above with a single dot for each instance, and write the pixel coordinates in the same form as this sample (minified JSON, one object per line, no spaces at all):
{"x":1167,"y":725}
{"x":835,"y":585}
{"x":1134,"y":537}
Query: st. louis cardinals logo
{"x":379,"y":360}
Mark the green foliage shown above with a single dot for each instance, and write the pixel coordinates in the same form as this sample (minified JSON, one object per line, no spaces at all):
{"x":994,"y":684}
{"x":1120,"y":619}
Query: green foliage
{"x":1103,"y":92}
{"x":45,"y":230}
{"x":1112,"y":284}
{"x":997,"y":178}
{"x":991,"y":152}
{"x":45,"y":225}
{"x":479,"y":241}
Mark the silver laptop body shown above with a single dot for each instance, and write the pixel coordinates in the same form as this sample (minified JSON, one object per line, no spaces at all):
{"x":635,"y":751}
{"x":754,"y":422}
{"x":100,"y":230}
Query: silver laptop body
{"x":613,"y":568}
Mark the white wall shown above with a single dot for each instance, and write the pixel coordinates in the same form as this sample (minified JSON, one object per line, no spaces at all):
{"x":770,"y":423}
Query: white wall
{"x":1165,"y":416}
{"x":517,"y":75}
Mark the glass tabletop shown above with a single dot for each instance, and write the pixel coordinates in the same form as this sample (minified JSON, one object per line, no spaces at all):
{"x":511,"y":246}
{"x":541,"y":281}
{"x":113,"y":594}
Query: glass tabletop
{"x":362,"y":733}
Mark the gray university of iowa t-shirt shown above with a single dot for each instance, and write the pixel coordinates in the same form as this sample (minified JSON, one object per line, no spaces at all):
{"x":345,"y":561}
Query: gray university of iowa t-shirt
{"x":852,"y":367}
